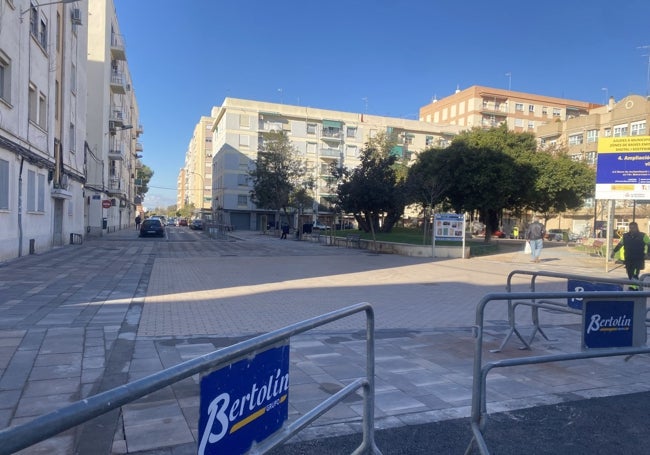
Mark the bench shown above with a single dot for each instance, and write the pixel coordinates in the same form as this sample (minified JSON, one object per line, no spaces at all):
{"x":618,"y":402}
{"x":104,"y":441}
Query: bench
{"x":351,"y":239}
{"x":597,"y":248}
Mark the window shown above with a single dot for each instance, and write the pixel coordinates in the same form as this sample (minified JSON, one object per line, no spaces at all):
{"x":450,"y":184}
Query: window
{"x":590,"y":157}
{"x":242,"y":179}
{"x":638,"y":128}
{"x":351,"y":131}
{"x":531,"y":108}
{"x":311,"y":147}
{"x":31,"y":191}
{"x":592,"y":136}
{"x":575,"y":139}
{"x":5,"y":78}
{"x":33,"y":21}
{"x":373,"y":134}
{"x":556,"y":112}
{"x":311,"y":128}
{"x":242,"y":199}
{"x":428,"y":141}
{"x":351,"y":150}
{"x":519,"y":107}
{"x":531,"y":125}
{"x":42,"y":37}
{"x":519,"y":122}
{"x":73,"y":78}
{"x":42,"y":111}
{"x":40,"y":202}
{"x":72,"y":139}
{"x":608,"y":132}
{"x":244,"y":140}
{"x":244,"y":121}
{"x":4,"y":185}
{"x":620,"y":130}
{"x":544,"y":110}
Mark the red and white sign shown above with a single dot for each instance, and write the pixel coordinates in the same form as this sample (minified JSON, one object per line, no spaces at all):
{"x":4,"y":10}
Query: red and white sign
{"x":106,"y":203}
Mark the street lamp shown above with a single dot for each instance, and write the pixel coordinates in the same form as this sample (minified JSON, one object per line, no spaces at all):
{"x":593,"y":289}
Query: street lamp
{"x":46,"y":4}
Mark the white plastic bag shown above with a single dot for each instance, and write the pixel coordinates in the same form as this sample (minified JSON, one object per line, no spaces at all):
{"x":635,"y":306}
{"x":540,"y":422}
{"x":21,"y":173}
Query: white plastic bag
{"x":527,"y":248}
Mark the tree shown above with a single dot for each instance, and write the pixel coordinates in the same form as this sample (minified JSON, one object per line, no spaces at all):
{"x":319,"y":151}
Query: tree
{"x":423,"y":184}
{"x":480,"y":179}
{"x":280,"y":179}
{"x":373,"y":188}
{"x":144,"y":175}
{"x":561,"y":184}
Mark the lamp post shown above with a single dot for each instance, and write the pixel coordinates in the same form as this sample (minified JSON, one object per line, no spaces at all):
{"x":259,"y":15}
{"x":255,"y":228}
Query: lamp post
{"x":58,"y":2}
{"x":202,"y":187}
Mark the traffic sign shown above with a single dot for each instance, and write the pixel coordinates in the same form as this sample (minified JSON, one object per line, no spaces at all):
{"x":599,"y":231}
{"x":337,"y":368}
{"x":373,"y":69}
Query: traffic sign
{"x":106,"y":203}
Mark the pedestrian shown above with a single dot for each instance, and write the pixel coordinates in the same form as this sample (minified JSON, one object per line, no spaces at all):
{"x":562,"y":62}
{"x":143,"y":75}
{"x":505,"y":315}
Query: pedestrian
{"x":635,"y":243}
{"x":137,"y":222}
{"x":285,"y":231}
{"x":535,"y":238}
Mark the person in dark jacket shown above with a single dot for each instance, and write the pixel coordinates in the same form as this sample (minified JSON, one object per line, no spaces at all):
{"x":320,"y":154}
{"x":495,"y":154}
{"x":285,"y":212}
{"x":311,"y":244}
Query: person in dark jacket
{"x":635,"y":243}
{"x":285,"y":231}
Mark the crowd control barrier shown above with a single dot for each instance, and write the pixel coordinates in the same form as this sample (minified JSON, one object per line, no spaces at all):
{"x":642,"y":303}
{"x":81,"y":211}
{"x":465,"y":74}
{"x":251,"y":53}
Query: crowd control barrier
{"x":22,"y":436}
{"x":562,"y":306}
{"x":538,"y":300}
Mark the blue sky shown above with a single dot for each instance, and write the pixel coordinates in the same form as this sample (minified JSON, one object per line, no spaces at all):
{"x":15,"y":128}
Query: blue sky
{"x":186,"y":56}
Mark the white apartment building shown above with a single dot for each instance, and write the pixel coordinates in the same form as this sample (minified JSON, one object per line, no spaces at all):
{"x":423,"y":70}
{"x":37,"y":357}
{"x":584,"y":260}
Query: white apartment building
{"x":320,"y":137}
{"x":195,"y":178}
{"x":113,"y":128}
{"x":42,"y":124}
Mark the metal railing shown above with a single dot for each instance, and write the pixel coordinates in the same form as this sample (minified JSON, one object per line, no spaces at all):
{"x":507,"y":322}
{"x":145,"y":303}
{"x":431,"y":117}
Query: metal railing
{"x":478,"y":417}
{"x":558,"y":306}
{"x":19,"y":437}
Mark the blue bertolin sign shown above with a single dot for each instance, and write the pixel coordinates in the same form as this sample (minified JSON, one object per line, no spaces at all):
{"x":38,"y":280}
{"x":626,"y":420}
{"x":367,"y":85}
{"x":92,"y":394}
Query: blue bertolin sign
{"x":586,"y":286}
{"x":608,"y":324}
{"x":244,"y":402}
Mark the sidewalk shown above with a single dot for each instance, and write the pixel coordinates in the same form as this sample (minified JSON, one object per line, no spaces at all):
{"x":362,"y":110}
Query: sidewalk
{"x":87,"y":318}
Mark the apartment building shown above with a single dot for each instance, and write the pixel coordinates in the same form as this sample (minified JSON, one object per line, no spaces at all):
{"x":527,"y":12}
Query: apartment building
{"x":113,"y":150}
{"x":43,"y":90}
{"x":580,"y":135}
{"x":195,"y":178}
{"x":486,"y":107}
{"x":321,"y":137}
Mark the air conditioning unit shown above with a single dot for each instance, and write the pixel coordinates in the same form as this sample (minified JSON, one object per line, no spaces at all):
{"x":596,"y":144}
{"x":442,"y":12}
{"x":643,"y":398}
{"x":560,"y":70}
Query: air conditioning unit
{"x":76,"y":16}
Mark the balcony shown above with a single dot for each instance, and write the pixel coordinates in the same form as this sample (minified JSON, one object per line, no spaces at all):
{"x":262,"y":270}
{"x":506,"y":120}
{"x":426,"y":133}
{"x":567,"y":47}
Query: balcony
{"x":116,"y":187}
{"x":138,"y":147}
{"x":139,"y":130}
{"x":330,"y":153}
{"x":118,"y":47}
{"x":332,"y":134}
{"x":116,"y":117}
{"x":118,"y":82}
{"x":116,"y":150}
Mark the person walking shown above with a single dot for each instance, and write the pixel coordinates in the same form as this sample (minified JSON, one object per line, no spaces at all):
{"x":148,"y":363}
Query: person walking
{"x":535,"y":238}
{"x":285,"y":231}
{"x":137,"y":222}
{"x":635,"y":243}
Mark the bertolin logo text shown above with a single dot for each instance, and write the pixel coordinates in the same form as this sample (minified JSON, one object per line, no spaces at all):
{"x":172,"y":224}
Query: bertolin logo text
{"x":227,"y":415}
{"x":611,"y":324}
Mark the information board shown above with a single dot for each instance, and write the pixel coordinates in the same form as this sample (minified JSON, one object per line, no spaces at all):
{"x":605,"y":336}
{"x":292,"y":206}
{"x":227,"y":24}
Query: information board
{"x":623,"y":170}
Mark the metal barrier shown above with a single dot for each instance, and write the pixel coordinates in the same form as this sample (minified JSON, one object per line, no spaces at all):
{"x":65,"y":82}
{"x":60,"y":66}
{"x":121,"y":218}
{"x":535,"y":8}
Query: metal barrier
{"x":19,"y":437}
{"x":558,"y":306}
{"x":219,"y":231}
{"x":479,"y":408}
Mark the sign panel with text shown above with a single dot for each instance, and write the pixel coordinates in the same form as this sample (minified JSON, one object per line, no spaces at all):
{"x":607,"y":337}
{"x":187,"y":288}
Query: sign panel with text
{"x":623,"y":170}
{"x":244,"y":402}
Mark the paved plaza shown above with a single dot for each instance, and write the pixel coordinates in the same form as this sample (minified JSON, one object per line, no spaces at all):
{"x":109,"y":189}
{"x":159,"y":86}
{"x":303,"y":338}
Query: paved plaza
{"x":85,"y":318}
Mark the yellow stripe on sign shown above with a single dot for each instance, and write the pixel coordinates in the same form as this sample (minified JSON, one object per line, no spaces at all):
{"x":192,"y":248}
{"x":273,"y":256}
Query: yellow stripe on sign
{"x":247,"y":420}
{"x":253,"y":416}
{"x":624,"y":144}
{"x":622,"y":187}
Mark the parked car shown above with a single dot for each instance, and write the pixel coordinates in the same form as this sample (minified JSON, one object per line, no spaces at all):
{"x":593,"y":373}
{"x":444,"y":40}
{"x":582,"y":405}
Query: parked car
{"x":319,"y":225}
{"x":558,"y":235}
{"x":499,"y":234}
{"x":196,"y":225}
{"x":182,"y":222}
{"x":152,"y":227}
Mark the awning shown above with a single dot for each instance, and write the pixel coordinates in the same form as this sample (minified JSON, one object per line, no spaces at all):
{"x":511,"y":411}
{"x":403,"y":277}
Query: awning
{"x":332,"y":124}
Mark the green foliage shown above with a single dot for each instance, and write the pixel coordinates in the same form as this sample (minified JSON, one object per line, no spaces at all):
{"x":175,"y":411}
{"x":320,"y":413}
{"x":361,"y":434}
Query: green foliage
{"x":145,"y":173}
{"x":373,"y":188}
{"x":280,"y":178}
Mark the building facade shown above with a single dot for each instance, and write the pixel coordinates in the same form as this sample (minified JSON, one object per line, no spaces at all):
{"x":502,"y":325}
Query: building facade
{"x":321,"y":137}
{"x":579,"y":136}
{"x":113,"y":149}
{"x":195,"y":178}
{"x":486,"y":107}
{"x":43,"y":89}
